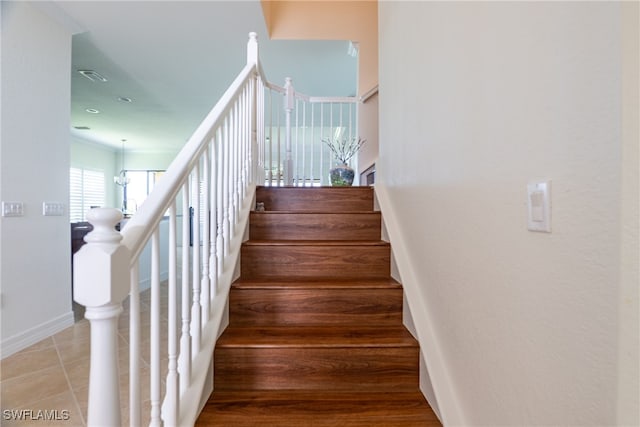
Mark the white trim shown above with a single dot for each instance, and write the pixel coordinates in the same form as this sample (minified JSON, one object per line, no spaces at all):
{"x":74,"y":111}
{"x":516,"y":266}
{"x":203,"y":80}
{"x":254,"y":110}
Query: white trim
{"x":31,"y":336}
{"x":448,"y":402}
{"x":368,"y":94}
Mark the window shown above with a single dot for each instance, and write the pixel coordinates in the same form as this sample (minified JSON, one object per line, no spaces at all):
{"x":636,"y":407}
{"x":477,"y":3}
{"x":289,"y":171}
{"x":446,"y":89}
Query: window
{"x":140,"y":185}
{"x":86,"y":191}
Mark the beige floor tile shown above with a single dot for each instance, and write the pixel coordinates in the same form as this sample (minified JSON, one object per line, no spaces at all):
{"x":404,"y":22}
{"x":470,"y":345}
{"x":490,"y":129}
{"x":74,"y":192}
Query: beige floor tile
{"x":30,"y":388}
{"x":57,"y":410}
{"x":54,"y":373}
{"x":29,"y":361}
{"x":78,"y":373}
{"x":82,"y":397}
{"x":80,"y":331}
{"x":74,"y":350}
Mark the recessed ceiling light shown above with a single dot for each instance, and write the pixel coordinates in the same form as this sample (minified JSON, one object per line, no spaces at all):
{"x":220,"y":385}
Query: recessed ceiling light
{"x":92,"y":111}
{"x":124,"y":99}
{"x":93,"y":76}
{"x":82,"y":127}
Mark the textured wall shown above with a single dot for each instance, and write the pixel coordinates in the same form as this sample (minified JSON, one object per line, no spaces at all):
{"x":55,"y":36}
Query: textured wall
{"x":476,"y":100}
{"x":36,"y":263}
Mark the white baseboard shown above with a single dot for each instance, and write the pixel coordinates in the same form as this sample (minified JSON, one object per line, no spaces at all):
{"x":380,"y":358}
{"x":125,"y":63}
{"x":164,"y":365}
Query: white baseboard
{"x":438,"y":386}
{"x":31,"y":336}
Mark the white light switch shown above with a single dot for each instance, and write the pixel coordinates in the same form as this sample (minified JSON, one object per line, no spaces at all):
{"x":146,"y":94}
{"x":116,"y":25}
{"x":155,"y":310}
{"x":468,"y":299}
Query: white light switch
{"x":12,"y":209}
{"x":539,"y":206}
{"x":52,"y":208}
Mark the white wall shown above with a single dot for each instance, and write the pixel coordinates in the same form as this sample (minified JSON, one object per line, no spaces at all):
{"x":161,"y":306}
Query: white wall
{"x":36,"y":263}
{"x":476,"y":100}
{"x":91,"y":155}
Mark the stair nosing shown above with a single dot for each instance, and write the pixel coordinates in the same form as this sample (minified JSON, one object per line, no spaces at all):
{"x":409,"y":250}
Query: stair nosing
{"x":318,"y":212}
{"x":293,"y":242}
{"x":246,"y":337}
{"x":301,"y":283}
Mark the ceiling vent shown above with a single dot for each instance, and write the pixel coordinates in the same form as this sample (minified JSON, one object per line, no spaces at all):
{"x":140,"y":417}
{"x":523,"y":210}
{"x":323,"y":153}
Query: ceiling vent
{"x":93,"y":76}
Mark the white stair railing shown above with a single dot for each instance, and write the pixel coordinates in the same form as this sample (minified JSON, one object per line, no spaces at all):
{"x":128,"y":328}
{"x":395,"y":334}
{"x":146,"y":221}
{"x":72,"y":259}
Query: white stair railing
{"x":194,"y":221}
{"x":215,"y":174}
{"x":295,"y":152}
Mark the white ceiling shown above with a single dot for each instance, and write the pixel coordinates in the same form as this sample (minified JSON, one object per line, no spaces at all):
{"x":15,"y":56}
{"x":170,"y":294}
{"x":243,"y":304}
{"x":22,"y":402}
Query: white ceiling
{"x":174,"y":59}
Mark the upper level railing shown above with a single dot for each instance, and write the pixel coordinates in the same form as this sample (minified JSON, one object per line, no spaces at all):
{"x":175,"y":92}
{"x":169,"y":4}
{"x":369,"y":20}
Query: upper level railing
{"x":170,"y":330}
{"x":295,"y":152}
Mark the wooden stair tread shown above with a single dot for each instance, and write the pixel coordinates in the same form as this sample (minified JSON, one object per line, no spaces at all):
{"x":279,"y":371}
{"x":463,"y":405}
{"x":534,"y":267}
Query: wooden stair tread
{"x":342,"y":199}
{"x":314,"y":212}
{"x":315,"y":337}
{"x":316,"y":243}
{"x":321,"y":408}
{"x":315,"y":283}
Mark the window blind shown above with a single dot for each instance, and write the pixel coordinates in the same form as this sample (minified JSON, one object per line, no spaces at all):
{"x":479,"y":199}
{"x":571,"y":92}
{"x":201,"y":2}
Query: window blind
{"x":86,"y":190}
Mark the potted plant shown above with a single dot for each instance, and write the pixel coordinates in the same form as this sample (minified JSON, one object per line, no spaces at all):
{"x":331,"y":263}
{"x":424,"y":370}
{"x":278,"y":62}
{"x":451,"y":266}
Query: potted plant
{"x":343,"y":150}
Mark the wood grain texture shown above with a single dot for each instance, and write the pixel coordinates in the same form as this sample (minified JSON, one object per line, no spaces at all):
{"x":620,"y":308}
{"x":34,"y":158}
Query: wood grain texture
{"x":315,"y":335}
{"x":315,"y":226}
{"x":330,"y":408}
{"x":316,"y":199}
{"x":315,"y":259}
{"x":312,"y":306}
{"x":309,"y":368}
{"x":291,"y":282}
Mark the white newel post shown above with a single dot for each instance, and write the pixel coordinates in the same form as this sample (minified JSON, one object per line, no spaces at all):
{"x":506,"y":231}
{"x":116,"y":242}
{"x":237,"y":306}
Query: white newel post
{"x":288,"y":108}
{"x":101,"y":283}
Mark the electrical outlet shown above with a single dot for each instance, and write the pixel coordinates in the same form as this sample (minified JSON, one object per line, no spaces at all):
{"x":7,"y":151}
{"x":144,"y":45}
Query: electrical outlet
{"x":52,"y":208}
{"x":12,"y":209}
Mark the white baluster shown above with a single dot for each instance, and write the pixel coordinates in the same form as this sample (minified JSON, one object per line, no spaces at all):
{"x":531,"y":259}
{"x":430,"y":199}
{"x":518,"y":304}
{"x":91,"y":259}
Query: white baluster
{"x":288,"y":108}
{"x":279,"y":148}
{"x":171,"y":407}
{"x":205,"y":297}
{"x":225,"y":187}
{"x":195,"y":308}
{"x":101,"y":273}
{"x":322,"y":146}
{"x":220,"y":202}
{"x":232,"y":169}
{"x":239,"y":159}
{"x":254,"y":147}
{"x":246,"y":137}
{"x":261,"y":131}
{"x":313,"y":144}
{"x":184,"y":361}
{"x":270,"y":145}
{"x":134,"y":347}
{"x":304,"y":143}
{"x":155,"y":329}
{"x":213,"y":215}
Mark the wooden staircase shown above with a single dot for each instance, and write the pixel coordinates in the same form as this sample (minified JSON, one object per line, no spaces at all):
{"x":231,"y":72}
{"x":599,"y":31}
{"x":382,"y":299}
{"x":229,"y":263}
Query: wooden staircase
{"x":315,"y":336}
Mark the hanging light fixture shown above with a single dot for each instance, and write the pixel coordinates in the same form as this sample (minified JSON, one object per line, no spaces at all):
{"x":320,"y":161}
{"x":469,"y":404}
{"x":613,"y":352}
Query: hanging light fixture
{"x":122,"y":180}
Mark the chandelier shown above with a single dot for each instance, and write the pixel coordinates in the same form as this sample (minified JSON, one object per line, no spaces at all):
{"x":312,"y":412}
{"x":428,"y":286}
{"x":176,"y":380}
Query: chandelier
{"x":121,"y":179}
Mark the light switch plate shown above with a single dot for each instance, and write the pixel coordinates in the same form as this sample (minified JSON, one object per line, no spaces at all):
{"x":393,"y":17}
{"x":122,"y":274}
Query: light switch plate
{"x":52,"y":208}
{"x":12,"y":209}
{"x":539,"y":206}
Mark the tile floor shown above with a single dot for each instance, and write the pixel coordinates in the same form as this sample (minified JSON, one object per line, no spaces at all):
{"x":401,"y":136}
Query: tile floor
{"x":52,"y":375}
